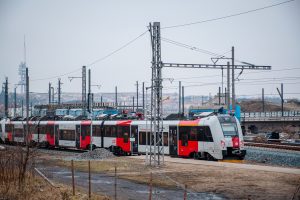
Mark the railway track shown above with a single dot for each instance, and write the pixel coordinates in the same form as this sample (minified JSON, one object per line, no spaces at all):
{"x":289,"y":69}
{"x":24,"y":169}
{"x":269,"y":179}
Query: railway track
{"x":274,"y":146}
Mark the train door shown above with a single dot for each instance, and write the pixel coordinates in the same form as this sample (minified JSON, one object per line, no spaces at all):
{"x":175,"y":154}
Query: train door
{"x":56,"y":132}
{"x":173,"y":140}
{"x":77,"y":137}
{"x":134,"y":134}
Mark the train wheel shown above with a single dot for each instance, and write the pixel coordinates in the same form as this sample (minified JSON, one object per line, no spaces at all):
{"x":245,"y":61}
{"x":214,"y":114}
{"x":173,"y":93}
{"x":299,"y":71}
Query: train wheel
{"x":209,"y":157}
{"x":241,"y":157}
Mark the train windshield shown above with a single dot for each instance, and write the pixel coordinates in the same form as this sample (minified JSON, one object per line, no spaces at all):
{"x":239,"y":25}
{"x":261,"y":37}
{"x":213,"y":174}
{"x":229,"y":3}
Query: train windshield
{"x":228,"y":125}
{"x":229,"y":129}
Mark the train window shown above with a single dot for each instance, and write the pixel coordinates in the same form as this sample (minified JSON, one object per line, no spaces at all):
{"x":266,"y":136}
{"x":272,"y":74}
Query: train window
{"x":120,"y":132}
{"x":113,"y":131}
{"x":85,"y":130}
{"x":201,"y":133}
{"x":142,"y":138}
{"x":183,"y":135}
{"x":208,"y":134}
{"x":107,"y":131}
{"x":8,"y":127}
{"x":67,"y":135}
{"x":97,"y":131}
{"x":126,"y":136}
{"x":165,"y":139}
{"x":229,"y":129}
{"x":18,"y":132}
{"x":193,"y":134}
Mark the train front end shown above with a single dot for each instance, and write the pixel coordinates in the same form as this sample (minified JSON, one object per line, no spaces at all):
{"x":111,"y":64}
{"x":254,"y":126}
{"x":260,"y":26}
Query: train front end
{"x":233,"y":142}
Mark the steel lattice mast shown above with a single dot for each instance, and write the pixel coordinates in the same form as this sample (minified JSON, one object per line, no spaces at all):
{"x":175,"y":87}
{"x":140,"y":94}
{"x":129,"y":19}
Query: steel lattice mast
{"x":156,"y":136}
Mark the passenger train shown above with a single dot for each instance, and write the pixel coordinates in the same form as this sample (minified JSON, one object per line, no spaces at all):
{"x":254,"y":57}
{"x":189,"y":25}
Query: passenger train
{"x":212,"y":137}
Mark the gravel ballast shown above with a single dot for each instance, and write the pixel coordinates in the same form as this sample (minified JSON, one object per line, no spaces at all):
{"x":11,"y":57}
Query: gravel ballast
{"x":97,"y":154}
{"x":273,"y":157}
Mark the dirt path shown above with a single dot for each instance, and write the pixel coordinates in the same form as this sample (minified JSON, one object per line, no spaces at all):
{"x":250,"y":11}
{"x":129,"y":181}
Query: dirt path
{"x":287,"y":170}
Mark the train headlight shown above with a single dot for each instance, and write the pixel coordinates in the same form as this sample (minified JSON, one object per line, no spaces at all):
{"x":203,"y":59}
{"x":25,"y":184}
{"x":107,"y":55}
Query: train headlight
{"x":222,"y":144}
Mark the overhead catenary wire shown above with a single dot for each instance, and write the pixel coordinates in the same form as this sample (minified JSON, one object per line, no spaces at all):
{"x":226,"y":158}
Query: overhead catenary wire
{"x":167,"y":27}
{"x":227,"y":16}
{"x":95,"y":61}
{"x":217,"y":75}
{"x":193,"y":48}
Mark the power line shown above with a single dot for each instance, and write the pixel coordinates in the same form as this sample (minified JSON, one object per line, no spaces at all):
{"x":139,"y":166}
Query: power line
{"x":194,"y":77}
{"x":260,"y":80}
{"x":193,"y":48}
{"x":115,"y":51}
{"x":97,"y":60}
{"x":227,"y":16}
{"x":267,"y":94}
{"x":57,"y":76}
{"x":244,"y":83}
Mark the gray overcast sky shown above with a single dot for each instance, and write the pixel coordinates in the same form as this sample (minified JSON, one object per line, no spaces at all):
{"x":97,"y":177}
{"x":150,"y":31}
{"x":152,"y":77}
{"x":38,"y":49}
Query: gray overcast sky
{"x":62,"y":36}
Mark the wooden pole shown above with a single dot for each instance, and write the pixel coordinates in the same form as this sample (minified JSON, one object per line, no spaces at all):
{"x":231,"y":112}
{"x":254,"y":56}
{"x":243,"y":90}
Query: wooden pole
{"x":115,"y":182}
{"x":185,"y":192}
{"x":73,"y":181}
{"x":150,"y":187}
{"x":89,"y":179}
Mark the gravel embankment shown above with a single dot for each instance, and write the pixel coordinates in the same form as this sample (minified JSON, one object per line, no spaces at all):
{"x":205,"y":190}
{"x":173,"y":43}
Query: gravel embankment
{"x":97,"y":154}
{"x":273,"y":157}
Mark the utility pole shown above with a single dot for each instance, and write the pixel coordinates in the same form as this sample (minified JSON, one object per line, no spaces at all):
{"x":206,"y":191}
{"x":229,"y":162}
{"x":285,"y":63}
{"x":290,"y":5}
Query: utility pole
{"x":225,"y":97}
{"x":90,"y":107}
{"x":233,"y":86}
{"x":263,"y":99}
{"x":52,"y":93}
{"x":89,"y":77}
{"x":183,"y":101}
{"x":6,"y":97}
{"x":179,"y":98}
{"x":49,"y":93}
{"x":132,"y":103}
{"x":22,"y":109}
{"x":281,"y":96}
{"x":137,"y":96}
{"x":116,"y":97}
{"x":219,"y":95}
{"x":143,"y":97}
{"x":156,"y":136}
{"x":228,"y":87}
{"x":59,"y":92}
{"x":15,"y":102}
{"x":84,"y":90}
{"x":27,"y":106}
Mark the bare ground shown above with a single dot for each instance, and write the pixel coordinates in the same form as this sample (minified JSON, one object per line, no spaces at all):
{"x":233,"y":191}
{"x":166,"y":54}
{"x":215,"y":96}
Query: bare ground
{"x":233,"y":183}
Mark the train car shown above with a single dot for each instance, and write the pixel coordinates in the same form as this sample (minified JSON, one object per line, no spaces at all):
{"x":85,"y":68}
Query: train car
{"x":211,"y":137}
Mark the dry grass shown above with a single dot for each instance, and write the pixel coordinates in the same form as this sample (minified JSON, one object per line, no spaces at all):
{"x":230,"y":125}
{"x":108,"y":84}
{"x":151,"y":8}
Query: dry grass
{"x":18,"y":180}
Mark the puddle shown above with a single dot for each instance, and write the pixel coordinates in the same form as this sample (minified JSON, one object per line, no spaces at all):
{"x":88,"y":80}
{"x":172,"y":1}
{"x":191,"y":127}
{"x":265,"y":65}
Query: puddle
{"x":125,"y":189}
{"x":71,"y":176}
{"x":101,"y":181}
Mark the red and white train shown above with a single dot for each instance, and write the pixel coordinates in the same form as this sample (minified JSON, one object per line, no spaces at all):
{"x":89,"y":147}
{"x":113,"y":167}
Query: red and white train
{"x":212,"y":137}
